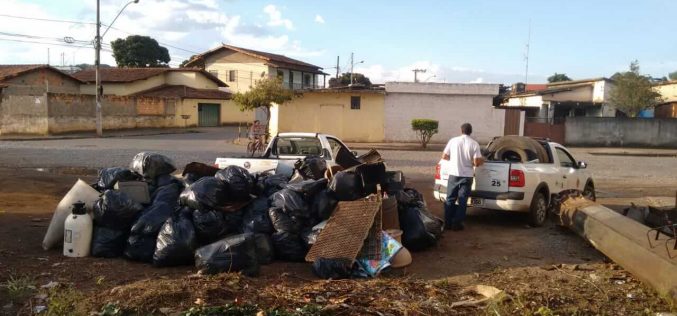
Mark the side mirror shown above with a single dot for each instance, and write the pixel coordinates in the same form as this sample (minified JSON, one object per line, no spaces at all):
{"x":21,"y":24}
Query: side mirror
{"x":354,"y":153}
{"x":582,"y":165}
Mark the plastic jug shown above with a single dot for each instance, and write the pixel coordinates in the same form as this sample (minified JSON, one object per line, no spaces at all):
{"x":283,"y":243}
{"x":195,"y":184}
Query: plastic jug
{"x":77,"y":232}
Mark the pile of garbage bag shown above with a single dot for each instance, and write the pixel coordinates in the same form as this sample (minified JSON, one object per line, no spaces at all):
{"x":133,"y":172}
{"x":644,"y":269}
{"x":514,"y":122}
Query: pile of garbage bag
{"x":230,"y":220}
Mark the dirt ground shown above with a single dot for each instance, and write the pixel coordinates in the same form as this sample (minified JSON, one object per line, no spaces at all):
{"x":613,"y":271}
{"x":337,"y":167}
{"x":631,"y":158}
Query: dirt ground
{"x":543,"y":271}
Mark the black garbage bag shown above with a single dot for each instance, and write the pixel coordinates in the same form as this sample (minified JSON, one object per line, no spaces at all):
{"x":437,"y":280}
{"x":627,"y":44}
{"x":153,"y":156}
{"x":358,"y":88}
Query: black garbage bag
{"x":165,"y":200}
{"x":108,"y":177}
{"x":206,"y":194}
{"x":310,"y":235}
{"x":394,"y":181}
{"x":290,"y":202}
{"x":163,"y":180}
{"x":231,"y":254}
{"x":334,"y":269}
{"x":151,"y":165}
{"x":264,"y":249}
{"x":267,"y":185}
{"x":311,"y":167}
{"x":289,"y":247}
{"x":107,"y":242}
{"x":255,"y":217}
{"x":324,"y":204}
{"x":116,"y":210}
{"x":410,"y":197}
{"x":209,"y":225}
{"x":140,"y":247}
{"x":308,"y":187}
{"x":415,"y":236}
{"x":347,"y":186}
{"x":190,"y":178}
{"x":176,"y":242}
{"x":283,"y":222}
{"x":239,"y":183}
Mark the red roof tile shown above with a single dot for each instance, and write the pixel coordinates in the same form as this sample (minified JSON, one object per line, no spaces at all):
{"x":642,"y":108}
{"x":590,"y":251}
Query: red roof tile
{"x":184,"y":92}
{"x":274,"y":59}
{"x":122,"y":75}
{"x":535,"y":86}
{"x":12,"y":71}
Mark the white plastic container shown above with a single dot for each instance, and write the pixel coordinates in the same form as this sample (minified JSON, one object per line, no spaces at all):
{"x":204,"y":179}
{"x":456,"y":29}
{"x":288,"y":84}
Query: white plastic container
{"x":81,"y":191}
{"x":77,"y":234}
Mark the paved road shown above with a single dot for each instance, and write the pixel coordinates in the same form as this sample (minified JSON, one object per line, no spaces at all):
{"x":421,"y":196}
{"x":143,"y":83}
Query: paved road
{"x":615,"y":175}
{"x":183,"y":148}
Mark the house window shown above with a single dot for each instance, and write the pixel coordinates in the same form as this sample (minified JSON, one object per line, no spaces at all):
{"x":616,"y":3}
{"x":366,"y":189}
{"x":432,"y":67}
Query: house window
{"x":280,"y":74}
{"x":215,"y":73}
{"x":306,"y":80}
{"x":355,"y":102}
{"x":232,"y":75}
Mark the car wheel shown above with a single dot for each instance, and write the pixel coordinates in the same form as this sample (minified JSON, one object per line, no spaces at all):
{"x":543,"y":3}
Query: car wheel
{"x":589,"y":192}
{"x":538,"y":212}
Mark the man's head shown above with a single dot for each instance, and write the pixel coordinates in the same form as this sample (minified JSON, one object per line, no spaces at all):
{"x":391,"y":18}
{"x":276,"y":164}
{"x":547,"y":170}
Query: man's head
{"x":466,"y":128}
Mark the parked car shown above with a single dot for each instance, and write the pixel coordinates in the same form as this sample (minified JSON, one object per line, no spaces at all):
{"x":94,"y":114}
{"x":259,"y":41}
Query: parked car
{"x":522,"y":175}
{"x":286,"y":148}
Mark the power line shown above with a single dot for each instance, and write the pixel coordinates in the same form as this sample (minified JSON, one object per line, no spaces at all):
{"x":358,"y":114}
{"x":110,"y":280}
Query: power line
{"x":48,"y":20}
{"x":65,"y":39}
{"x":165,"y":44}
{"x":44,"y":43}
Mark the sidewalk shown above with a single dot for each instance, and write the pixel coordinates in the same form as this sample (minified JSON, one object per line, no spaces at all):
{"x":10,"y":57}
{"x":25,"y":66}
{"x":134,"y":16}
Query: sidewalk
{"x":106,"y":134}
{"x":395,"y":146}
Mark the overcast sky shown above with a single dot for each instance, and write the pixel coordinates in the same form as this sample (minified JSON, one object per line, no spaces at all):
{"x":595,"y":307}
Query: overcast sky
{"x":455,"y":41}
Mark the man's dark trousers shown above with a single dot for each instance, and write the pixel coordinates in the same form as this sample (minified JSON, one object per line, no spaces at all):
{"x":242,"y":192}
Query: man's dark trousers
{"x":458,"y":189}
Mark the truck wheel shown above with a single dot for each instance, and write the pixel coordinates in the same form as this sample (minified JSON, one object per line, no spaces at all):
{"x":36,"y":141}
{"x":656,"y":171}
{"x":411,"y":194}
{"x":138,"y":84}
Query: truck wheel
{"x":538,"y":212}
{"x":589,"y":192}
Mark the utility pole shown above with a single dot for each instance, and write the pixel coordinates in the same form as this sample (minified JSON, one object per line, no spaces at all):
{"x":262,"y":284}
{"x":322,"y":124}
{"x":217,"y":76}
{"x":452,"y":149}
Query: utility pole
{"x":351,"y":68}
{"x":97,"y":53}
{"x":337,"y":68}
{"x":47,"y":55}
{"x":416,"y":71}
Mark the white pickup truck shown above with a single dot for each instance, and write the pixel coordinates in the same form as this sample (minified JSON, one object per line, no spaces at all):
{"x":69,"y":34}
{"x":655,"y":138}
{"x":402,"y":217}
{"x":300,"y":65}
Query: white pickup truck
{"x":286,"y":148}
{"x":522,"y":178}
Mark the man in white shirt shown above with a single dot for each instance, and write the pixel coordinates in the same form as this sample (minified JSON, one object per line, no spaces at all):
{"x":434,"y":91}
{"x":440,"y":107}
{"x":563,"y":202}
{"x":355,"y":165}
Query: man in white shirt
{"x":463,"y":154}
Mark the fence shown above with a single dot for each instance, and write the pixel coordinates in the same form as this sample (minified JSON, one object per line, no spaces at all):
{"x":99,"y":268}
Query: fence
{"x":545,"y":128}
{"x":621,"y":132}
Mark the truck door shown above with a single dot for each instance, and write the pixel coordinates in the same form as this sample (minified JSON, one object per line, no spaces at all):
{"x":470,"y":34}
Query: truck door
{"x":568,"y":169}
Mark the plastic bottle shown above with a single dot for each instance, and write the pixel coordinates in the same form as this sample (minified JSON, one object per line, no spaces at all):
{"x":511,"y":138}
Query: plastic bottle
{"x":77,"y":232}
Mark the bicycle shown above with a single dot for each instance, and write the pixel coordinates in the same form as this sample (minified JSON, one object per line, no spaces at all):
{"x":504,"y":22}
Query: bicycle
{"x":255,"y":145}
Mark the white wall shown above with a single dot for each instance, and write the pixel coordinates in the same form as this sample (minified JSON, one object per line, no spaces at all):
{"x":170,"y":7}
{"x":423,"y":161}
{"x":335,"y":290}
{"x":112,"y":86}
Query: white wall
{"x":450,"y":110}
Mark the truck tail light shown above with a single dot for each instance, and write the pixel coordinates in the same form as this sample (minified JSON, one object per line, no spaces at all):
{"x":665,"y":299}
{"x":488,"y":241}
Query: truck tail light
{"x":516,"y":178}
{"x":438,"y":176}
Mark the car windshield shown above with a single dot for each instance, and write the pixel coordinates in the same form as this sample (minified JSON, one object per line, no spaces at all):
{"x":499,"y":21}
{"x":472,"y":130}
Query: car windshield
{"x":298,"y":146}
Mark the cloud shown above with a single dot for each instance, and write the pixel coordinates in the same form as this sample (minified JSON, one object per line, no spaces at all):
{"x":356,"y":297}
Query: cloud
{"x":275,"y":17}
{"x":185,"y":27}
{"x":319,"y":19}
{"x":441,"y":73}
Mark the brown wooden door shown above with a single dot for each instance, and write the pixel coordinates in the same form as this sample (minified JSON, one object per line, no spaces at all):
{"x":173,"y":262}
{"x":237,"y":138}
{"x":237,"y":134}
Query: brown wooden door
{"x":512,"y":122}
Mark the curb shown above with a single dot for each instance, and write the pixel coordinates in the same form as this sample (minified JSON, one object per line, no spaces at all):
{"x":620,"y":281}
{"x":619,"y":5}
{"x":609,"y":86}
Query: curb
{"x":39,"y":138}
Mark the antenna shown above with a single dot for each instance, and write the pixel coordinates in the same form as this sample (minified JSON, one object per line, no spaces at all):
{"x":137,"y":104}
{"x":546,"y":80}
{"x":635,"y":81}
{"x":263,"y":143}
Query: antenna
{"x":526,"y":56}
{"x":416,"y":71}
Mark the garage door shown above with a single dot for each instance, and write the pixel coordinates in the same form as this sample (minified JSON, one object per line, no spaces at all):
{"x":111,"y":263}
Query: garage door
{"x":208,"y":114}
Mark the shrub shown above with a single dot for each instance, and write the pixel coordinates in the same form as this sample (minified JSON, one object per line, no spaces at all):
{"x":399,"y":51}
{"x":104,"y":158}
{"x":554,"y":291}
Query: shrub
{"x":425,"y":129}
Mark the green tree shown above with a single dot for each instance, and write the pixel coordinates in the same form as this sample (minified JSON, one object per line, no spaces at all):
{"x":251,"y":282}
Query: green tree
{"x":632,"y":91}
{"x":558,"y":77}
{"x":425,"y":129}
{"x":344,"y":80}
{"x":183,"y":63}
{"x":673,"y":75}
{"x":266,"y":92}
{"x":139,"y":51}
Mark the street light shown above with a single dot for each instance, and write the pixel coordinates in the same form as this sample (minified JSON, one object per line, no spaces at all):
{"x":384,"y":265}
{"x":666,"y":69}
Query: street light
{"x":97,"y":61}
{"x":352,"y":64}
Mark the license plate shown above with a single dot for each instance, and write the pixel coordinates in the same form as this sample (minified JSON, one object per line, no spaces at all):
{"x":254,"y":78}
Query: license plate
{"x":476,"y":201}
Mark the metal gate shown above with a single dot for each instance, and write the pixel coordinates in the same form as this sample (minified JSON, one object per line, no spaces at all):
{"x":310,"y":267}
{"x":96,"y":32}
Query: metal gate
{"x":208,"y":114}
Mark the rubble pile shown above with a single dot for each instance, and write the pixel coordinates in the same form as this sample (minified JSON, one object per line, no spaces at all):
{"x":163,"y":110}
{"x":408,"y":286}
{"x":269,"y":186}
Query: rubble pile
{"x":230,"y":220}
